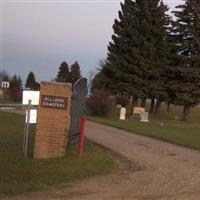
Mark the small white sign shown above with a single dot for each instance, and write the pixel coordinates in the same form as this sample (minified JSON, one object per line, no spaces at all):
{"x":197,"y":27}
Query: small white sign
{"x":122,"y":114}
{"x":34,"y":96}
{"x":33,"y":116}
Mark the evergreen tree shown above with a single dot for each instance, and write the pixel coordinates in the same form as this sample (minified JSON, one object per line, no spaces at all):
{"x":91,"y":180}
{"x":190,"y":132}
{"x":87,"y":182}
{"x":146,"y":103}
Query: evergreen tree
{"x":63,"y":73}
{"x":121,"y":69}
{"x":4,"y":76}
{"x":186,"y":71}
{"x":75,"y":72}
{"x":15,"y":89}
{"x":30,"y":81}
{"x":137,"y":57}
{"x":99,"y":82}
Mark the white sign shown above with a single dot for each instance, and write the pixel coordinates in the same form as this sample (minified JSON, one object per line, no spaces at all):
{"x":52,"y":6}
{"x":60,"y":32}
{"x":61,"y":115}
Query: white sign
{"x":122,"y":114}
{"x":34,"y":96}
{"x":33,"y":116}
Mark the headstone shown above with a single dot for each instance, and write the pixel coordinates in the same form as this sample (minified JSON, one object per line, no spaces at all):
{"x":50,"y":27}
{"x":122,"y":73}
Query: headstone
{"x":144,"y":117}
{"x":118,"y":106}
{"x":53,"y":120}
{"x":137,"y":112}
{"x":122,"y":114}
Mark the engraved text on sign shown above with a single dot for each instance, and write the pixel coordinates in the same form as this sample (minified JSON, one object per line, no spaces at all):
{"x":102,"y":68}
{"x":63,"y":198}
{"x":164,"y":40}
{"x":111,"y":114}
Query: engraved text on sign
{"x":54,"y":102}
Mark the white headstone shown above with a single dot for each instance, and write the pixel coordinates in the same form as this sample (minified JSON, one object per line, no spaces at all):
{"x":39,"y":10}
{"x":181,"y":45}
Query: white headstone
{"x":144,"y":117}
{"x":118,"y":106}
{"x":122,"y":114}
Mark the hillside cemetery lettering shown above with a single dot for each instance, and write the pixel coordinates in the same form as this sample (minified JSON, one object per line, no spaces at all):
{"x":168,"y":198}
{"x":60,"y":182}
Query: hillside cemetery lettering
{"x":54,"y":102}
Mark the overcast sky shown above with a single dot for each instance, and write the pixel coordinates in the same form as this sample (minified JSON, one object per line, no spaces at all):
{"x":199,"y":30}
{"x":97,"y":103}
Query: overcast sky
{"x":38,"y":35}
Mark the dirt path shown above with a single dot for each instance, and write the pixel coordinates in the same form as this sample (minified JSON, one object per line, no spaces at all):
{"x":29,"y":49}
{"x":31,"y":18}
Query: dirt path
{"x":165,"y":171}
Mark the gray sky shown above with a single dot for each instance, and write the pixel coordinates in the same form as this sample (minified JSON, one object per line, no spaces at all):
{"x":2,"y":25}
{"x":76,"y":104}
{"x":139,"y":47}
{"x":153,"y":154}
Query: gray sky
{"x":38,"y":35}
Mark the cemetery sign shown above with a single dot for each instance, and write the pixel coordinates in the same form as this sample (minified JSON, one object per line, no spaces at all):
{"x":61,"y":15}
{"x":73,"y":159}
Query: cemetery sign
{"x":55,"y":102}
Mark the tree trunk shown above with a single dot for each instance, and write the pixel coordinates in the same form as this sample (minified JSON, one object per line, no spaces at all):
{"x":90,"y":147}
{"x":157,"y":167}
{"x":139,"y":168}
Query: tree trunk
{"x":186,"y":111}
{"x":152,"y":105}
{"x":168,"y":106}
{"x":143,"y":103}
{"x":132,"y":104}
{"x":158,"y":107}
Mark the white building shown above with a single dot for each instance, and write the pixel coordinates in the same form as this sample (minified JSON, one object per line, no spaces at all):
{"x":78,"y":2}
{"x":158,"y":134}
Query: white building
{"x":5,"y":84}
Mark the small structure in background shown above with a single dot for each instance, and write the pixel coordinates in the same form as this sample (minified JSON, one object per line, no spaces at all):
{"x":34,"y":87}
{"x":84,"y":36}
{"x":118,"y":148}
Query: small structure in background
{"x":122,"y":114}
{"x":5,"y":84}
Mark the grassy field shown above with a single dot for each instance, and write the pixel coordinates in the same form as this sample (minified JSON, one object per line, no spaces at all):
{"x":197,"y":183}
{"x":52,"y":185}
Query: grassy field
{"x":19,"y":175}
{"x":162,"y":127}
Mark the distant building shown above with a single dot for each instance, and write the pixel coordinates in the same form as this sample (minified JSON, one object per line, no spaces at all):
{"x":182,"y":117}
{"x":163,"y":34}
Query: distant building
{"x":4,"y":85}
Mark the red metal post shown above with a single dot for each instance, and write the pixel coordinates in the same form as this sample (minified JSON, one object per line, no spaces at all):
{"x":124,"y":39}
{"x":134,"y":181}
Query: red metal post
{"x":81,"y":138}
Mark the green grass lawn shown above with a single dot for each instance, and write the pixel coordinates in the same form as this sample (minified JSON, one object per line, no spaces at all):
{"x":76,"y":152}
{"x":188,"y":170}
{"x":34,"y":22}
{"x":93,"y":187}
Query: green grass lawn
{"x":20,"y":175}
{"x":174,"y":131}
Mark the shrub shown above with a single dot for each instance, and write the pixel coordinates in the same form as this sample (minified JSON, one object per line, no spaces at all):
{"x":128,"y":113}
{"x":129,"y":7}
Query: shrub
{"x":99,"y":103}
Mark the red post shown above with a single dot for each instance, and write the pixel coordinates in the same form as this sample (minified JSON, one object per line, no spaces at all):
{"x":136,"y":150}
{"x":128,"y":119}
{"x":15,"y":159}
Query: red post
{"x":81,"y":138}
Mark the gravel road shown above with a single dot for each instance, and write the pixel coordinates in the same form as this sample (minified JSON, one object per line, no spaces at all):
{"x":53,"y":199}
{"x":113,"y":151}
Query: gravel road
{"x":165,"y":171}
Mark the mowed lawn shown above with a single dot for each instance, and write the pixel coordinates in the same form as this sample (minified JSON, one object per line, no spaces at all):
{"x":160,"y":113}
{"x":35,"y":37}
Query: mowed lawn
{"x":19,"y":175}
{"x":164,"y":126}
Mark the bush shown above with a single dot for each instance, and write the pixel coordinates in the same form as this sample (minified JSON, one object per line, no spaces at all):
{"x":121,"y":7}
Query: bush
{"x":122,"y":100}
{"x":99,"y":103}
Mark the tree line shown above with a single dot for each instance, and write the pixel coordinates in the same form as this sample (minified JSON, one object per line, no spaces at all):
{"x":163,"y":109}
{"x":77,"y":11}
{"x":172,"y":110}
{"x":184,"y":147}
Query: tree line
{"x":14,"y":92}
{"x":65,"y":74}
{"x":68,"y":74}
{"x":154,"y":56}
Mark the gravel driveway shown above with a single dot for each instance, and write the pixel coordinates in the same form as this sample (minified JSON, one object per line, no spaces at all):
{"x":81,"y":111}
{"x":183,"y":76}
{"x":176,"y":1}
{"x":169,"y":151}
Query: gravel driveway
{"x":165,"y":171}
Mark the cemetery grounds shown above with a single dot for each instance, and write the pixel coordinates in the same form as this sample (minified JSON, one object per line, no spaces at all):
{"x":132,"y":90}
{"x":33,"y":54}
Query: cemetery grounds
{"x":165,"y":126}
{"x":21,"y":175}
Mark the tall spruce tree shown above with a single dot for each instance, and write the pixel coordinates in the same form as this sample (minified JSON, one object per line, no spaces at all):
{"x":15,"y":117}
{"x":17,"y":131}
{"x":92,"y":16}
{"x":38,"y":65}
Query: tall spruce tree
{"x":30,"y":81}
{"x":63,"y":73}
{"x":75,"y":72}
{"x":186,"y":71}
{"x":137,"y":58}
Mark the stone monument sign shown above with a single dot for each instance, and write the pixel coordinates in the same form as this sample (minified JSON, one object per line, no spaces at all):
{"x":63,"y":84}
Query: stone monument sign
{"x":53,"y":120}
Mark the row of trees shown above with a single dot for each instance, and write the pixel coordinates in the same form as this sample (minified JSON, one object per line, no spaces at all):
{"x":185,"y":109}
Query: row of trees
{"x":14,"y":92}
{"x":153,"y":56}
{"x":68,"y":74}
{"x":65,"y":74}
